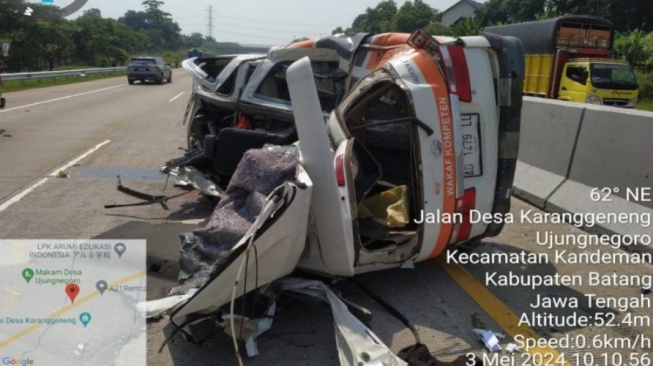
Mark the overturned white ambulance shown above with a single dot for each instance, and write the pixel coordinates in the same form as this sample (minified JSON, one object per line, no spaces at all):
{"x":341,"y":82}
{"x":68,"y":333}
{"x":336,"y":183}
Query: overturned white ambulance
{"x":427,"y":131}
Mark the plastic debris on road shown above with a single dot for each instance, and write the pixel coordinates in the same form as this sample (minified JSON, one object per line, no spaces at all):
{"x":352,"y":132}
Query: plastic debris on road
{"x":490,"y":339}
{"x":512,"y":348}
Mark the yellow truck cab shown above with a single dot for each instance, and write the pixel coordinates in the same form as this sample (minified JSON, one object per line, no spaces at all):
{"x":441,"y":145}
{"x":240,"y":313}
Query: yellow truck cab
{"x":568,"y":58}
{"x":599,"y":81}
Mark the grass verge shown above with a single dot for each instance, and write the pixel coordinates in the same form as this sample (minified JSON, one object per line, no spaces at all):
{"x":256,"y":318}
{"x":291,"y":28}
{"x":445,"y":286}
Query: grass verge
{"x":16,"y":85}
{"x":644,"y":105}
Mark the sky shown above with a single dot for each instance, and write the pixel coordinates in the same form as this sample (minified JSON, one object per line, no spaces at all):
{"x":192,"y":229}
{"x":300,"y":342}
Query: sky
{"x":254,"y":21}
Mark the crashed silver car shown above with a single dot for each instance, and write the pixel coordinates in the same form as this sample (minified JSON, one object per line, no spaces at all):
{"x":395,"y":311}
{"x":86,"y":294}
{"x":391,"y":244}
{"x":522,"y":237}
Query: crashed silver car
{"x":250,"y":92}
{"x":426,"y":132}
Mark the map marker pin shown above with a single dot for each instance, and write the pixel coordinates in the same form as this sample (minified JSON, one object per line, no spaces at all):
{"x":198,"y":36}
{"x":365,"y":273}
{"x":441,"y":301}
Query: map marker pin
{"x":120,"y":248}
{"x":72,"y":290}
{"x":85,"y":318}
{"x":101,"y":286}
{"x":28,"y":273}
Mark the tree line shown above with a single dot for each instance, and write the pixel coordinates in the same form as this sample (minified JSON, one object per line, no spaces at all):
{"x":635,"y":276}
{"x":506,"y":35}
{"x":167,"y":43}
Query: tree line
{"x":633,"y":20}
{"x":44,"y":40}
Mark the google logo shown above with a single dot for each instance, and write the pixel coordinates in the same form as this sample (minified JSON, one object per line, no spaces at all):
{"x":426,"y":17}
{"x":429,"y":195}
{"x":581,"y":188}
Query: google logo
{"x":11,"y":361}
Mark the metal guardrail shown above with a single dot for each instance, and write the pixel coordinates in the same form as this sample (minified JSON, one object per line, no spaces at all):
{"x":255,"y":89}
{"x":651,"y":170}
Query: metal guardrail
{"x":54,"y":74}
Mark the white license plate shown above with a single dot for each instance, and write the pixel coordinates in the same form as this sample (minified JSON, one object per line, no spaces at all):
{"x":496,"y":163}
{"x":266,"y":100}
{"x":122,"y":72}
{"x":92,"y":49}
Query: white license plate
{"x":471,"y":145}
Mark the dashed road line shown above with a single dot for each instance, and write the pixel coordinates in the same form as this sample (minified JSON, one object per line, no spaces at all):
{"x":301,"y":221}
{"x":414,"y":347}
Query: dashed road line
{"x":62,"y":98}
{"x":79,"y":158}
{"x":176,"y":96}
{"x":21,"y":195}
{"x":31,"y":188}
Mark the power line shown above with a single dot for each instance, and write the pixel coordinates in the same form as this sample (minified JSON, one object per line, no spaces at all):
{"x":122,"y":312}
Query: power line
{"x":193,"y":17}
{"x":267,"y":29}
{"x":295,"y":31}
{"x":255,"y":35}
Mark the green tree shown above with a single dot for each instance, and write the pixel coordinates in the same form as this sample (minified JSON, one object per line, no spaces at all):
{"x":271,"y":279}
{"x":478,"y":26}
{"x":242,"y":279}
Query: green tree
{"x":104,"y":41}
{"x":54,"y":41}
{"x":11,"y":17}
{"x":466,"y":27}
{"x":93,"y":13}
{"x":386,"y":17}
{"x":160,"y":31}
{"x":413,"y":15}
{"x":136,"y":20}
{"x":631,"y":48}
{"x":627,"y":16}
{"x":438,"y":29}
{"x":195,"y":40}
{"x":510,"y":11}
{"x":600,"y":8}
{"x":636,"y":15}
{"x":647,"y":44}
{"x":374,"y":20}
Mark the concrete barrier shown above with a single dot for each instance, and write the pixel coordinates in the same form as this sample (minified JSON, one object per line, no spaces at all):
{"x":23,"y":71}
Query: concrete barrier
{"x":615,"y":149}
{"x":547,"y":137}
{"x":568,"y":149}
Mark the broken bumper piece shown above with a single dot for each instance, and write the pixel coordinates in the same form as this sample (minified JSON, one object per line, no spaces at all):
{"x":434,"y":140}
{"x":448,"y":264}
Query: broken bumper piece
{"x":196,"y":180}
{"x":357,"y":344}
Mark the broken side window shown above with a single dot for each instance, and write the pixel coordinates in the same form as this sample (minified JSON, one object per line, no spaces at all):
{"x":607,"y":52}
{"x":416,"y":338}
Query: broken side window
{"x":327,"y":80}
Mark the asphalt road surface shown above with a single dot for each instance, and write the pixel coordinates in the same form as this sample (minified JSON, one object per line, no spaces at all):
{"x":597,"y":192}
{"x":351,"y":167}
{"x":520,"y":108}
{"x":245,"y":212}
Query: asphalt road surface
{"x":97,"y":130}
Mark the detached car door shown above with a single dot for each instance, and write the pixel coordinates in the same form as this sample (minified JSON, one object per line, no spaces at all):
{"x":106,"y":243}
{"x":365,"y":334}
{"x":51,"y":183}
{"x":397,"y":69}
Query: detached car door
{"x":278,"y":235}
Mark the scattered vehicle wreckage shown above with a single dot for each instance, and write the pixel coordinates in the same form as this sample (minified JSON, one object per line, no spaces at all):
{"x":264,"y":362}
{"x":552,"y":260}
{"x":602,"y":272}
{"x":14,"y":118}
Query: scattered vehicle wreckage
{"x":331,"y":157}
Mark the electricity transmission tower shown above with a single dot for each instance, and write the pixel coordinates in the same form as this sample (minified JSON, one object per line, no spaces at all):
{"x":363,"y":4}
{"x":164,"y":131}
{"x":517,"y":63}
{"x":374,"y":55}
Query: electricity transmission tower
{"x":210,"y":25}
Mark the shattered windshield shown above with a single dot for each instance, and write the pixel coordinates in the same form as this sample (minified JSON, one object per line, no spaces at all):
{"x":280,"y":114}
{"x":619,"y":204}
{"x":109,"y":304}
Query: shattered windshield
{"x":613,"y":76}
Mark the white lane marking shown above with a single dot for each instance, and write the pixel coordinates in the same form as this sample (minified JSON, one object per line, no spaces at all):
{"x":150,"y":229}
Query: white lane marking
{"x":176,"y":96}
{"x":79,"y":158}
{"x":62,"y":98}
{"x":27,"y":191}
{"x":22,"y":194}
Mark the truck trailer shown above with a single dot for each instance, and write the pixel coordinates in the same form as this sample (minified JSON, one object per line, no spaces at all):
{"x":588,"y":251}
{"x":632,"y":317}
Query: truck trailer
{"x":570,"y":58}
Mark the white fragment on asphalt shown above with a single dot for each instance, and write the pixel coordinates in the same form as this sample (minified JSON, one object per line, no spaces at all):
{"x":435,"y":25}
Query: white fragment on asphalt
{"x":191,"y":221}
{"x":155,"y":308}
{"x":181,"y":183}
{"x":79,"y":158}
{"x":512,"y":348}
{"x":490,"y":339}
